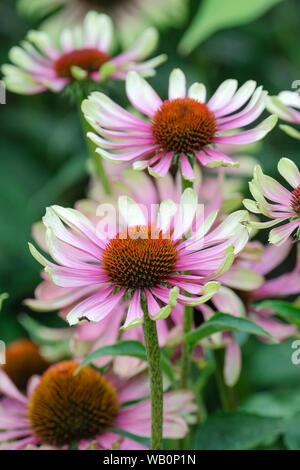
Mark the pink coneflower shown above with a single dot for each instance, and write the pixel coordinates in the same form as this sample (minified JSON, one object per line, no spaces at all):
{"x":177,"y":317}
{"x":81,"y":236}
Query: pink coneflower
{"x":284,"y":205}
{"x":286,"y":105}
{"x":144,"y":262}
{"x":87,"y":337}
{"x":61,"y":409}
{"x":183,"y":129}
{"x":82,"y":53}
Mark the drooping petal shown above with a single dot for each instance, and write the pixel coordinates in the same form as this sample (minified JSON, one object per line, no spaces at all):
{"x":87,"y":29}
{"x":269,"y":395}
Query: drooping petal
{"x":279,"y":235}
{"x":232,"y":363}
{"x":96,"y":307}
{"x":135,"y":314}
{"x":8,"y":388}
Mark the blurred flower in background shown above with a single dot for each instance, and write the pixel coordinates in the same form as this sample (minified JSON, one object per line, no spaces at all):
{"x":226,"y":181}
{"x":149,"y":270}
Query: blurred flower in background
{"x":82,"y":54}
{"x":23,"y":359}
{"x":130,"y":16}
{"x":61,"y":408}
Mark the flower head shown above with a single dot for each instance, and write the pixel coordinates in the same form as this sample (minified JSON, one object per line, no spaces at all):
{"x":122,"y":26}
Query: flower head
{"x":82,"y":53}
{"x":286,"y":106}
{"x":183,"y":129}
{"x":65,"y":407}
{"x":61,"y":408}
{"x":87,"y":337}
{"x":145,"y":262}
{"x":284,"y":204}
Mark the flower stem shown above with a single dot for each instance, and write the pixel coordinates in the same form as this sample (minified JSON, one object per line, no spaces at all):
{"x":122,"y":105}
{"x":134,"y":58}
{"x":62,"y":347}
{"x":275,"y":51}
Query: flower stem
{"x":226,"y":393}
{"x":185,"y":362}
{"x":95,"y":158}
{"x":156,"y":385}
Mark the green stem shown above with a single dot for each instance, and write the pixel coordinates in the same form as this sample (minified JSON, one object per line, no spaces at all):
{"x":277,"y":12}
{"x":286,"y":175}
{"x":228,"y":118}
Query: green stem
{"x":156,"y":385}
{"x":226,"y":393}
{"x":95,"y":158}
{"x":185,"y":362}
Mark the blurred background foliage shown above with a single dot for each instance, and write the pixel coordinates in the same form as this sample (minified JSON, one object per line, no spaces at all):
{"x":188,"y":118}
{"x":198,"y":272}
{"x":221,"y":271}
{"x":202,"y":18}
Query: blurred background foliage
{"x":43,"y":158}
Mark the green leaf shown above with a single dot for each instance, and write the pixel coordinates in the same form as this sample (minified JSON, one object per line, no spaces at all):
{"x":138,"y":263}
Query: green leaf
{"x":286,"y":310}
{"x":141,"y":440}
{"x":214,"y":15}
{"x":128,"y":348}
{"x":236,"y":431}
{"x":225,"y":322}
{"x":283,"y":404}
{"x":291,"y":437}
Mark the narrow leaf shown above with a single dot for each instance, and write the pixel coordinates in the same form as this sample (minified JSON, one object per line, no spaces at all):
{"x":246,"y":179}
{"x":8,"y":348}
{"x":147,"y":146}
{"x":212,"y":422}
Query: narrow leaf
{"x":214,"y":15}
{"x":225,"y":322}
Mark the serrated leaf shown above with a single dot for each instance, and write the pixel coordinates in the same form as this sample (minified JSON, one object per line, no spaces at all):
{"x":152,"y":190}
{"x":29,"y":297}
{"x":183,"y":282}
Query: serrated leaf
{"x":214,"y":15}
{"x":225,"y":322}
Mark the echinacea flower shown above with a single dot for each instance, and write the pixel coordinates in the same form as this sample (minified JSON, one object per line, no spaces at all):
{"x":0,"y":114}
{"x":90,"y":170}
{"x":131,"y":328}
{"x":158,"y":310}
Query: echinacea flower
{"x":284,"y":205}
{"x":286,"y":106}
{"x":82,"y":53}
{"x":88,"y":409}
{"x":145,"y":262}
{"x":22,"y":360}
{"x":131,"y":16}
{"x":182,"y":129}
{"x":86,"y":337}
